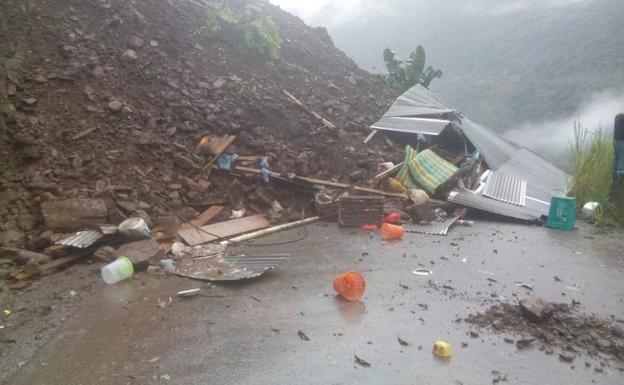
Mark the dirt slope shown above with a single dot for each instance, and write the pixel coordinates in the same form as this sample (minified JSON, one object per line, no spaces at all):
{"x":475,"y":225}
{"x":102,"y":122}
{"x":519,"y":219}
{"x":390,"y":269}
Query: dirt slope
{"x":82,"y":117}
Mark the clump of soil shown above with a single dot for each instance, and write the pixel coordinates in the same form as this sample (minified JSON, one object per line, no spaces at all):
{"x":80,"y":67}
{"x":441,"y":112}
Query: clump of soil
{"x":566,"y":331}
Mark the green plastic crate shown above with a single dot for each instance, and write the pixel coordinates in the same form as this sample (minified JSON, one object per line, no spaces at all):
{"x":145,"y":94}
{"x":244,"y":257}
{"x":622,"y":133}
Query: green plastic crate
{"x":562,"y":214}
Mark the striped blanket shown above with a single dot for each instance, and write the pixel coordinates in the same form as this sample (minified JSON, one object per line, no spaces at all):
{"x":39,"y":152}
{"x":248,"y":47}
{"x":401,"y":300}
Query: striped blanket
{"x":426,"y":170}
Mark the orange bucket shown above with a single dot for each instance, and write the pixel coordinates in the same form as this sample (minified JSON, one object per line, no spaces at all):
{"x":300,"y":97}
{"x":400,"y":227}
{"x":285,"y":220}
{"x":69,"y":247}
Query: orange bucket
{"x":391,"y":232}
{"x":350,"y":285}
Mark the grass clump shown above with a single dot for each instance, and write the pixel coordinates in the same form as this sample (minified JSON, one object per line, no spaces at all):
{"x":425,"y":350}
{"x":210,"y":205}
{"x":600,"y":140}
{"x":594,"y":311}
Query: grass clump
{"x":592,"y":156}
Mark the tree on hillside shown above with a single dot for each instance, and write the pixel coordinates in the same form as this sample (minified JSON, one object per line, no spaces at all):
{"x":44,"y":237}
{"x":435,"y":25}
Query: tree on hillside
{"x":403,"y":75}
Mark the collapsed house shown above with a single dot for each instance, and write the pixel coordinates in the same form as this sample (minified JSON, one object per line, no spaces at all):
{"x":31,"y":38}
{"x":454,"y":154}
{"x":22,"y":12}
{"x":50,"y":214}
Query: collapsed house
{"x":511,"y":180}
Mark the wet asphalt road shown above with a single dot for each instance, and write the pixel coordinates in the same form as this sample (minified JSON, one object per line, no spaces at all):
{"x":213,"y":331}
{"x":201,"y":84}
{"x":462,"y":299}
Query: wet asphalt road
{"x":120,"y":336}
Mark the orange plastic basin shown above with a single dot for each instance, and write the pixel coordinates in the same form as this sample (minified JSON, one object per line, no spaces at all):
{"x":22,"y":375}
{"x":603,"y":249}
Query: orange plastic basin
{"x":391,"y":232}
{"x":350,"y":285}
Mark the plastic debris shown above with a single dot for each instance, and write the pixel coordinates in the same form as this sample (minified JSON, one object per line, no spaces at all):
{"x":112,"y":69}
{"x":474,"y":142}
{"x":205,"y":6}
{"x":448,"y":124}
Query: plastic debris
{"x":391,"y":232}
{"x":350,"y":286}
{"x":370,"y":227}
{"x":423,"y":272}
{"x":226,"y":161}
{"x":164,"y":303}
{"x":591,"y":210}
{"x":117,"y":271}
{"x":442,"y":349}
{"x":393,"y":218}
{"x":238,"y":213}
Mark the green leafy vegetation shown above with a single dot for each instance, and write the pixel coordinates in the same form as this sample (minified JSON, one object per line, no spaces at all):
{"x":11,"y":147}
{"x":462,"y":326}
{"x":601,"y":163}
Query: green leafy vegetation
{"x":403,"y":75}
{"x":592,"y":167}
{"x":248,"y":31}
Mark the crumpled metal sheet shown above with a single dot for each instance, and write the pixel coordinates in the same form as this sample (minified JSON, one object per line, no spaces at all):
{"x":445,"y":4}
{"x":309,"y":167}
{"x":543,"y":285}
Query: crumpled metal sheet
{"x":81,"y":239}
{"x":506,"y":188}
{"x":543,"y":179}
{"x":229,"y":268}
{"x":435,"y":228}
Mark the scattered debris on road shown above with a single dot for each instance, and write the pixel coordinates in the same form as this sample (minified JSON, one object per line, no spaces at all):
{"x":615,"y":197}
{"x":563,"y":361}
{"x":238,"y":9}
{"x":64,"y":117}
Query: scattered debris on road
{"x":303,"y":336}
{"x":361,"y":361}
{"x":555,"y":327}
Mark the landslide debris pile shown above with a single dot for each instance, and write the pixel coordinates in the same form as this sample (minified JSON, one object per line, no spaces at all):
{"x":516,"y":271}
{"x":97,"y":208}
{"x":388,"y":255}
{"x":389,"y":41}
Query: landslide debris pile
{"x":556,"y":328}
{"x":109,"y":98}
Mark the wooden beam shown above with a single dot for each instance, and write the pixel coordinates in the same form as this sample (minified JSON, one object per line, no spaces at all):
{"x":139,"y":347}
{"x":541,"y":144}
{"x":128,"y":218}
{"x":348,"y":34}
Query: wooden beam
{"x":296,"y":101}
{"x":370,"y":136}
{"x":270,"y":230}
{"x":327,"y":183}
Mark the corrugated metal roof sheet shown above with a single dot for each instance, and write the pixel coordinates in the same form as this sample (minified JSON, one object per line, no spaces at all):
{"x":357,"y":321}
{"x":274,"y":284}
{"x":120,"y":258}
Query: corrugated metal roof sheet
{"x":532,"y":211}
{"x":411,"y":125}
{"x":506,"y":188}
{"x":418,"y":101}
{"x":81,"y":239}
{"x":436,"y":228}
{"x":229,"y":268}
{"x":543,"y":178}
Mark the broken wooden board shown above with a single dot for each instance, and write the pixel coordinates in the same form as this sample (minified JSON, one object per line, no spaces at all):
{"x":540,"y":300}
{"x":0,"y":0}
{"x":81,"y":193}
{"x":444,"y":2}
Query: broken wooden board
{"x":203,"y":218}
{"x":218,"y":147}
{"x":194,"y":237}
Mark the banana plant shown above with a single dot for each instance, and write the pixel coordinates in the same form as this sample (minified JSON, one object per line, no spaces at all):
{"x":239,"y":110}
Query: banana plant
{"x":404,"y":75}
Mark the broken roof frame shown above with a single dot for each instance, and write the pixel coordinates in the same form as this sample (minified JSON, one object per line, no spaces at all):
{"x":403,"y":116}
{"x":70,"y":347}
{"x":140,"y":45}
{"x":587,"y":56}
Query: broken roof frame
{"x":420,"y":111}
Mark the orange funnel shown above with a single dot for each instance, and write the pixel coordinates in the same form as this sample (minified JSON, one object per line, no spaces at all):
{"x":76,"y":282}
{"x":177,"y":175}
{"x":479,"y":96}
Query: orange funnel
{"x":391,"y":232}
{"x":350,"y":285}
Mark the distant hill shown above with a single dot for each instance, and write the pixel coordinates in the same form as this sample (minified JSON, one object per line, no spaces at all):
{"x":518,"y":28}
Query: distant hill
{"x":516,"y":61}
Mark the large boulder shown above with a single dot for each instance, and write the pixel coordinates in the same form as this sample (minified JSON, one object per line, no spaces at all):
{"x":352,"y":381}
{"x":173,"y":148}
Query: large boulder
{"x":140,"y":252}
{"x":536,"y":310}
{"x":74,"y":214}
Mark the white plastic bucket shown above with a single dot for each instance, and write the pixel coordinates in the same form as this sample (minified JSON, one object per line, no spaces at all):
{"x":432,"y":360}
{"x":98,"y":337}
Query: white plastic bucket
{"x":135,"y":228}
{"x":117,"y":271}
{"x":591,"y":210}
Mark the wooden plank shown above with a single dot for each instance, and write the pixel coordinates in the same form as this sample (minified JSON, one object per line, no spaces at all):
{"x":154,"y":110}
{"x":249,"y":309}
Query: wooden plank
{"x":194,"y":237}
{"x":203,"y":218}
{"x":48,"y":267}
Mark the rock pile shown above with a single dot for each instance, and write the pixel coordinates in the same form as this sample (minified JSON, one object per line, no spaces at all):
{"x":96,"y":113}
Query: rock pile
{"x":107,"y":99}
{"x":557,"y":328}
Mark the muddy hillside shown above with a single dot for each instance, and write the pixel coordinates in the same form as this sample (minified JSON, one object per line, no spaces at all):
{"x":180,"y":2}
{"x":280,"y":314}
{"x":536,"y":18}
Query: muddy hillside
{"x":109,"y":99}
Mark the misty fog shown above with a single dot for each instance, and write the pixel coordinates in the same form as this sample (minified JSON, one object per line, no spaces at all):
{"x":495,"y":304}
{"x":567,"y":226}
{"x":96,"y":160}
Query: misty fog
{"x":529,"y":68}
